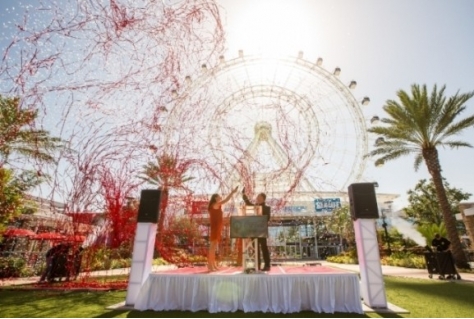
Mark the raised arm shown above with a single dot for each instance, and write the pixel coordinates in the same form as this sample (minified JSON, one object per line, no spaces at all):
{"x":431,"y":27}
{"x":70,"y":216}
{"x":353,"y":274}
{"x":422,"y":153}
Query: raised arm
{"x":225,"y":200}
{"x":246,"y":199}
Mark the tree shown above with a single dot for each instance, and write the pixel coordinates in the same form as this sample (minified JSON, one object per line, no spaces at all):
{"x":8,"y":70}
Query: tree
{"x":167,"y":172}
{"x":120,"y":210}
{"x":340,"y":222}
{"x":424,"y":206}
{"x":419,"y":124}
{"x":293,"y":234}
{"x":180,"y":239}
{"x":185,"y":231}
{"x":19,"y":136}
{"x":12,"y":189}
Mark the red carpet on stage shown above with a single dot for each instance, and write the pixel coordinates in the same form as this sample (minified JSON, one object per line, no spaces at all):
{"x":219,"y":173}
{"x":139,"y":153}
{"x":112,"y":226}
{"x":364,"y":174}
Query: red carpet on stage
{"x":275,"y":270}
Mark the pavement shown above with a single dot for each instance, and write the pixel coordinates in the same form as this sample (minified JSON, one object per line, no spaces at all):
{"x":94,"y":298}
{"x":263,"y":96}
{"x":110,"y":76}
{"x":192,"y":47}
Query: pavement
{"x":99,"y":273}
{"x":399,"y":271}
{"x":386,"y":270}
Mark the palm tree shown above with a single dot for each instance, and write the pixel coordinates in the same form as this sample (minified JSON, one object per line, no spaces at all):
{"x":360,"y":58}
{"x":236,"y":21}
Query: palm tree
{"x":18,"y":135}
{"x":166,"y":173}
{"x":430,"y":230}
{"x":418,"y":124}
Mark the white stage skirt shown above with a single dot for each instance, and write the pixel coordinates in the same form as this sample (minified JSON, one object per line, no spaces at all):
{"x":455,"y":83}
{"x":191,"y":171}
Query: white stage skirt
{"x":327,"y":293}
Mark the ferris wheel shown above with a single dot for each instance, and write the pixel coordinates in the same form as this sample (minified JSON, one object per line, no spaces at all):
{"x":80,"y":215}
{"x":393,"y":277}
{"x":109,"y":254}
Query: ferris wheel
{"x":285,"y":121}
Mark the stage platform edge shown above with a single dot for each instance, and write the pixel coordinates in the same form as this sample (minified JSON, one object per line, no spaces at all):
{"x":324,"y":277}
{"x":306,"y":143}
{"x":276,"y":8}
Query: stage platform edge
{"x":391,"y":308}
{"x":287,"y":289}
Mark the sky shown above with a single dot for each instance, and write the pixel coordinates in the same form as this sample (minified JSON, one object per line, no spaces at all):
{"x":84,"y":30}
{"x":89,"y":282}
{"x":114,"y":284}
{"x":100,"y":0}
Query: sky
{"x":384,"y":46}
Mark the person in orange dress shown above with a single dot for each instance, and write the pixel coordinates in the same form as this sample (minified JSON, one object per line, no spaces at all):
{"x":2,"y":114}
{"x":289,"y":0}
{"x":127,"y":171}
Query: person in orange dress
{"x":215,"y":218}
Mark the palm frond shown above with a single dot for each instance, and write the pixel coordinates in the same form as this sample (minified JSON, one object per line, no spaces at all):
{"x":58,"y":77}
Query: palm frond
{"x":186,"y":179}
{"x":435,"y":107}
{"x":393,"y":133}
{"x":445,"y":114}
{"x":418,"y":160}
{"x":151,"y":180}
{"x":452,"y":108}
{"x":33,"y":144}
{"x":389,"y":156}
{"x":167,"y":171}
{"x":405,"y":118}
{"x":459,"y":126}
{"x":456,"y":144}
{"x":34,"y":153}
{"x":399,"y":113}
{"x":391,"y":146}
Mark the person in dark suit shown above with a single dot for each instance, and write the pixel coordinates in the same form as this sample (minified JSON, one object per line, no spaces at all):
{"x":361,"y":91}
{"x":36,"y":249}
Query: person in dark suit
{"x":441,"y":243}
{"x":77,"y":262}
{"x":49,"y":262}
{"x":262,"y":242}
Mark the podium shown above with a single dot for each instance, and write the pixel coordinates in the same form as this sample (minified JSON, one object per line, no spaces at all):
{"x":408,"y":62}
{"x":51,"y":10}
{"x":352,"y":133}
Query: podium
{"x":247,"y":228}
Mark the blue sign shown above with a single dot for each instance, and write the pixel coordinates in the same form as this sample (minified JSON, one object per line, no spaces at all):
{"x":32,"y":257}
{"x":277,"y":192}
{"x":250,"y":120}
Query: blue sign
{"x":326,"y":205}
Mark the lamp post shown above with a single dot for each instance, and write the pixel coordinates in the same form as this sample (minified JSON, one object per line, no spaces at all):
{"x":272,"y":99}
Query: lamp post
{"x":385,"y":225}
{"x":387,"y":237}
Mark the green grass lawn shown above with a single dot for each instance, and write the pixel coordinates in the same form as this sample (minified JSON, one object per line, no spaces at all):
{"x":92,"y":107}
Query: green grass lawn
{"x":423,"y":298}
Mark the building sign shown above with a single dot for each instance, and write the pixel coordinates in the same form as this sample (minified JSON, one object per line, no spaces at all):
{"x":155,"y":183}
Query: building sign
{"x":294,"y":210}
{"x":326,"y":205}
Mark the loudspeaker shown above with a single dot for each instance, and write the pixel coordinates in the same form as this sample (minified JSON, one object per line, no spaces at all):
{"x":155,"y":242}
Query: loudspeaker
{"x":363,"y":201}
{"x":148,"y":211}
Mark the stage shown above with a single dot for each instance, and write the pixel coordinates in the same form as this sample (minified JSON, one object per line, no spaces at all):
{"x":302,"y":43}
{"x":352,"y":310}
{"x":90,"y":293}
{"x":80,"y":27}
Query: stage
{"x":285,"y":289}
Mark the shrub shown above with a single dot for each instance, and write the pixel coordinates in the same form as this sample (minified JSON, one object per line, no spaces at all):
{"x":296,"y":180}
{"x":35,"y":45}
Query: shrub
{"x":159,"y":262}
{"x":120,"y":263}
{"x":197,"y":259}
{"x":398,"y":259}
{"x":346,"y":257}
{"x":104,"y":258}
{"x":341,"y":259}
{"x":12,"y":267}
{"x":28,"y":272}
{"x":404,"y":259}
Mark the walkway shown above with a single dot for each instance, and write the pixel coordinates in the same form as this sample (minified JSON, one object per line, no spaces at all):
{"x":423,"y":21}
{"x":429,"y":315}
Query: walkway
{"x":398,"y":271}
{"x":386,"y":270}
{"x":99,"y":273}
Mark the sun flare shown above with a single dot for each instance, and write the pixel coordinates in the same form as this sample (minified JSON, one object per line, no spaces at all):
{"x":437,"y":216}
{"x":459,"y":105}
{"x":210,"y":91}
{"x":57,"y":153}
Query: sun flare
{"x":272,"y":28}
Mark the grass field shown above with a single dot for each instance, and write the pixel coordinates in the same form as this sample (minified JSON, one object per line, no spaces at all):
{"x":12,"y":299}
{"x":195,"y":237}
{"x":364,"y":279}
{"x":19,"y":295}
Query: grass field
{"x":423,"y":298}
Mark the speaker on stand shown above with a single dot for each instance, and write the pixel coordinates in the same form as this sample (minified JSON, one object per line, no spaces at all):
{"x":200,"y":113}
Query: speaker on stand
{"x":363,"y":202}
{"x":144,"y":243}
{"x":148,"y":211}
{"x":364,"y":211}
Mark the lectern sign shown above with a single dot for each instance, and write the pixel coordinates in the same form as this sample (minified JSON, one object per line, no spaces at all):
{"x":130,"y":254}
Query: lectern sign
{"x":248,"y":226}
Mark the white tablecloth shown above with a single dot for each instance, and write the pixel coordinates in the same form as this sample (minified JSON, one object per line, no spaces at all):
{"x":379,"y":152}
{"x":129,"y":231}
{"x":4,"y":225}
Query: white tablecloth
{"x":327,"y":293}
